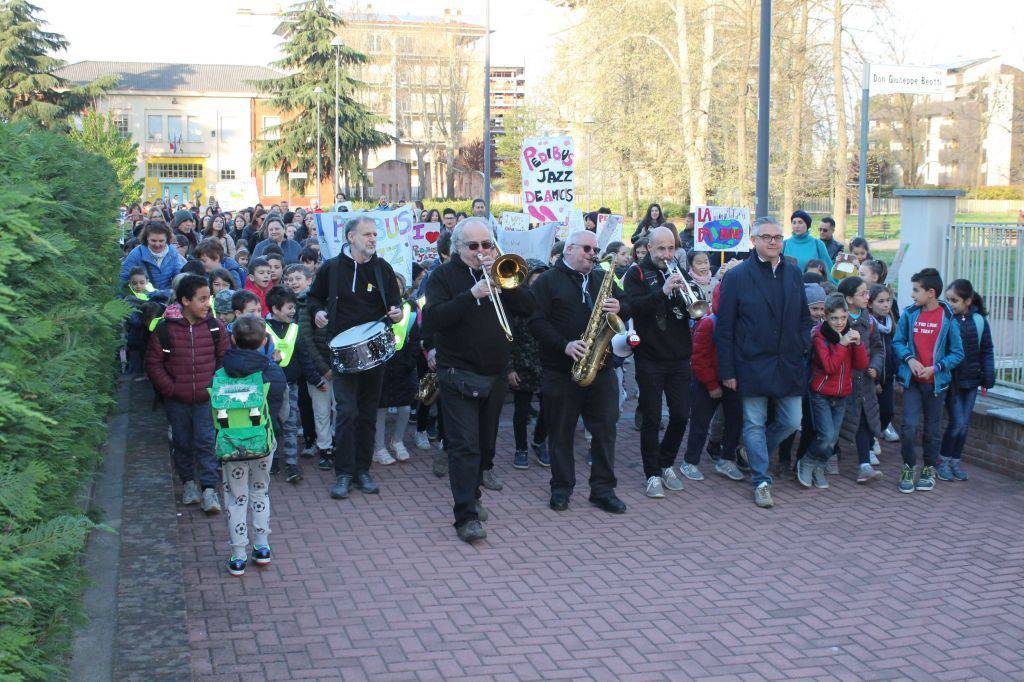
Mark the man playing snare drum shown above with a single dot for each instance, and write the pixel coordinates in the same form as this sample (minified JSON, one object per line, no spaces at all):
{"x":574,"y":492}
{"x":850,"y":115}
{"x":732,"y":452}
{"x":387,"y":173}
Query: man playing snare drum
{"x":353,"y":288}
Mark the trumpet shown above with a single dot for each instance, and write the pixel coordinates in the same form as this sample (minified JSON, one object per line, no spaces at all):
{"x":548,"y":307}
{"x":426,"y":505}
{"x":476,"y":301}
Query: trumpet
{"x":508,"y":271}
{"x":691,"y":296}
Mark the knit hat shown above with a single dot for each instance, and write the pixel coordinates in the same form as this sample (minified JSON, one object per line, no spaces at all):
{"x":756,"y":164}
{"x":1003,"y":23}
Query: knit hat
{"x":222,"y":301}
{"x":803,"y":215}
{"x":181,"y":217}
{"x":815,"y":293}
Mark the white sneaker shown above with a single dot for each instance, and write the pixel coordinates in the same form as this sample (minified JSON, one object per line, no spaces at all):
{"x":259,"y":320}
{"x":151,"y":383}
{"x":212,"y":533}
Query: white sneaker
{"x":191,"y":495}
{"x":890,"y":434}
{"x":398,"y":448}
{"x":876,"y":448}
{"x":873,"y":458}
{"x":691,"y":472}
{"x":211,"y":505}
{"x":654,"y":487}
{"x":586,"y":434}
{"x":383,"y":457}
{"x":422,"y":441}
{"x":671,"y":481}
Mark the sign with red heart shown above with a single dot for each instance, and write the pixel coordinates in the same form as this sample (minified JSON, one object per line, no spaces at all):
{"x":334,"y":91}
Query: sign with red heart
{"x":423,"y":238}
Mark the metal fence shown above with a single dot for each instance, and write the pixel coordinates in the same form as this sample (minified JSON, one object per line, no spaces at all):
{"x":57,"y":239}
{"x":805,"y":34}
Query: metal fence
{"x":991,"y":256}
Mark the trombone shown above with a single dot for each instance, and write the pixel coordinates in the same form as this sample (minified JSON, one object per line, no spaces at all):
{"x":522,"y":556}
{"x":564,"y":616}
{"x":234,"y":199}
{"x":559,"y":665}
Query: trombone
{"x":509,"y":271}
{"x":691,"y":296}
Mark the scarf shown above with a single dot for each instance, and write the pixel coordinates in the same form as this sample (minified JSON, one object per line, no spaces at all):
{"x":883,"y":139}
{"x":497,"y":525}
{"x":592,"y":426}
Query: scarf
{"x":830,"y":334}
{"x":884,"y":326}
{"x":703,"y":281}
{"x":159,"y":257}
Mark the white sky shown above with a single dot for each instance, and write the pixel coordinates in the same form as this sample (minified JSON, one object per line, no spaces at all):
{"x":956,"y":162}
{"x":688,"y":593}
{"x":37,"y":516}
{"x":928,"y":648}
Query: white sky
{"x":525,"y":31}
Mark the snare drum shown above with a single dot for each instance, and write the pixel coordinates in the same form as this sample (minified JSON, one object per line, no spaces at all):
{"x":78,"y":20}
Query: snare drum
{"x":362,"y":347}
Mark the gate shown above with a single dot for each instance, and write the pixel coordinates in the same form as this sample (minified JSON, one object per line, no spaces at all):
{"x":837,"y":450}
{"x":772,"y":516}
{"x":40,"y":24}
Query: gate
{"x":991,"y":255}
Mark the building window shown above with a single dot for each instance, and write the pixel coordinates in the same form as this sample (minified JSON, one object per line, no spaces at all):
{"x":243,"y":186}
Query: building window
{"x":174,"y":129}
{"x":121,"y":124}
{"x":155,"y":128}
{"x":227,"y":128}
{"x":176,"y":171}
{"x":195,"y":131}
{"x":227,"y":175}
{"x":271,"y":122}
{"x":272,"y":183}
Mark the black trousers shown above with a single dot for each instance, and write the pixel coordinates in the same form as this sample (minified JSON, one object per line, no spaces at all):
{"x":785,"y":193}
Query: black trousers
{"x":471,"y":428}
{"x":671,"y":378}
{"x":702,"y":411}
{"x":806,"y":436}
{"x":564,"y":402}
{"x":356,"y":397}
{"x":306,"y":415}
{"x":521,"y":419}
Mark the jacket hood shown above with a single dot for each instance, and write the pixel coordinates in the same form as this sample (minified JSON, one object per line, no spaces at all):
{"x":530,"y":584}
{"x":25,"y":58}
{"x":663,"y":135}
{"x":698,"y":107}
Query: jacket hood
{"x":173,"y":312}
{"x":239,"y":362}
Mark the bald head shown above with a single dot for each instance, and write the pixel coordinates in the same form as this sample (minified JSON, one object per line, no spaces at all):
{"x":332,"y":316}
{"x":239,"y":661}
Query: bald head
{"x":662,"y":246}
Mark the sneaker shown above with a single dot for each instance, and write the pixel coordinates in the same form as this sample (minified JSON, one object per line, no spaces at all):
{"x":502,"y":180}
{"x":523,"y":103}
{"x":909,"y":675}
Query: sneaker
{"x":440,"y":467}
{"x":670,"y":480}
{"x":820,"y":481}
{"x":292,"y":473}
{"x":422,"y":440}
{"x":691,"y":472}
{"x":210,"y":505}
{"x":873,"y":459}
{"x":383,"y":457}
{"x":890,"y":434}
{"x":491,"y":481}
{"x":727,"y":468}
{"x":400,"y":451}
{"x":945,"y":472}
{"x":907,"y":479}
{"x":191,"y":494}
{"x":805,"y":472}
{"x":471,"y":531}
{"x":763,"y":495}
{"x":365,"y":482}
{"x":876,"y":448}
{"x":926,"y":481}
{"x":741,"y":460}
{"x":521,"y":460}
{"x":432,"y":433}
{"x":236,"y":566}
{"x":541,"y":451}
{"x":340,"y":489}
{"x":832,"y":465}
{"x":261,"y":555}
{"x":958,"y":472}
{"x":867,"y":473}
{"x":308,"y":451}
{"x":326,"y":461}
{"x":655,"y":488}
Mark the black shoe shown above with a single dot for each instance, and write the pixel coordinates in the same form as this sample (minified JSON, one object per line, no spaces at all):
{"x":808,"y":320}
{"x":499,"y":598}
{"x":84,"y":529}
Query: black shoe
{"x":339,"y":490}
{"x":275,"y":467}
{"x":609,"y":503}
{"x":471,"y":531}
{"x":292,"y":474}
{"x":638,"y":420}
{"x":559,"y":501}
{"x":326,"y":462}
{"x":365,"y":483}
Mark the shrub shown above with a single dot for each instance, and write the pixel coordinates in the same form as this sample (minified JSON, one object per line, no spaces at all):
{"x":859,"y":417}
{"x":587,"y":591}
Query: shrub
{"x":58,"y":316}
{"x":1006,"y":192}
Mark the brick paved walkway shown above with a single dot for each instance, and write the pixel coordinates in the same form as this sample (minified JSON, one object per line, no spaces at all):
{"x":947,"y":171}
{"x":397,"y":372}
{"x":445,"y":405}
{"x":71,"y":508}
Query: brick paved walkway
{"x":852,"y":583}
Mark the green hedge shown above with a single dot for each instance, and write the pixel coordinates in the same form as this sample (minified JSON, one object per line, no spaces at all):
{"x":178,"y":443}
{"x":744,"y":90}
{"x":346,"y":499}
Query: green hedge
{"x":59,"y":325}
{"x":1006,"y":192}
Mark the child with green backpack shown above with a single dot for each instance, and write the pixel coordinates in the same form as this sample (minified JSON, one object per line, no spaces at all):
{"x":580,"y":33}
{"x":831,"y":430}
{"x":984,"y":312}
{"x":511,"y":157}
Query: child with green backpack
{"x":246,"y":398}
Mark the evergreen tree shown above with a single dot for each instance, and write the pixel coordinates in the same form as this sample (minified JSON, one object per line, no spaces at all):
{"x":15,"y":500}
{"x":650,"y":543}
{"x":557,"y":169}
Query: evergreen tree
{"x":29,"y":86}
{"x":309,"y":62}
{"x":519,"y":123}
{"x":99,"y":135}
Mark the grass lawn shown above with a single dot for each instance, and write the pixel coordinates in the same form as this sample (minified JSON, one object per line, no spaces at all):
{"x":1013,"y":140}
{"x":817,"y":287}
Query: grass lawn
{"x":882,"y":227}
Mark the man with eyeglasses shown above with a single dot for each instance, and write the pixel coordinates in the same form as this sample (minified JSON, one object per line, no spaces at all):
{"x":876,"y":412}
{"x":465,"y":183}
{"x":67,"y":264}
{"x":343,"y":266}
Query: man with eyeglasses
{"x":472,"y":354}
{"x":762,"y":332}
{"x":564,"y":297}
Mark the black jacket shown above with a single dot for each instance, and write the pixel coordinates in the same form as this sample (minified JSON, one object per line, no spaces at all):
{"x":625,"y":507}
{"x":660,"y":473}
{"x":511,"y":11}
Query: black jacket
{"x":661,"y":322}
{"x":978,"y":367}
{"x":561,"y":315}
{"x":465,"y":330}
{"x":359,"y":298}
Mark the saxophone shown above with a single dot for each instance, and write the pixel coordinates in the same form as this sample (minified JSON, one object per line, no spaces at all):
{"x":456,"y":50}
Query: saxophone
{"x":601,"y":327}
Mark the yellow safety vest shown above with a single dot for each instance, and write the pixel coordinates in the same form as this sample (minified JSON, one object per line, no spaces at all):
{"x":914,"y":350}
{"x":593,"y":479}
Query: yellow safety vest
{"x":607,"y":267}
{"x":287,"y":344}
{"x":401,"y":328}
{"x":144,"y":295}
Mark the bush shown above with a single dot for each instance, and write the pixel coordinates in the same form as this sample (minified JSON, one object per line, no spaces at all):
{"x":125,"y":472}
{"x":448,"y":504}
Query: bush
{"x":59,"y":320}
{"x":1006,"y":192}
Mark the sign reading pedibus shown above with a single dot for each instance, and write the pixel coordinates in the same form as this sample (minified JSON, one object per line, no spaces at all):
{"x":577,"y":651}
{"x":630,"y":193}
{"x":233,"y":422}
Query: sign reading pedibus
{"x":548,"y":167}
{"x":886,"y":79}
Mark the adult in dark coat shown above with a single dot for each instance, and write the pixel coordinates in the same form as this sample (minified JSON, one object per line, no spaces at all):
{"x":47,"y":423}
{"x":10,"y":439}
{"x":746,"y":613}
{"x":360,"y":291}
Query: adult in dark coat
{"x":762,"y":334}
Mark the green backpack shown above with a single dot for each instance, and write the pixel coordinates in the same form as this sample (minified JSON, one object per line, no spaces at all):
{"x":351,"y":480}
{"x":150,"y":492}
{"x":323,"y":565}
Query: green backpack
{"x":241,"y":417}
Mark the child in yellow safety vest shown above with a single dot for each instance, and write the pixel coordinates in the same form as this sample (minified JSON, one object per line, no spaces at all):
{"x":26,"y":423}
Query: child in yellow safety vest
{"x":146,"y":302}
{"x":283,"y":330}
{"x":399,"y":388}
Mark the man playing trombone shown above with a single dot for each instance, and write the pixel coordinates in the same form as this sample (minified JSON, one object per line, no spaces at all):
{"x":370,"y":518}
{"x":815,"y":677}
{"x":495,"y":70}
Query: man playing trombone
{"x":467,"y":314}
{"x":662,"y":301}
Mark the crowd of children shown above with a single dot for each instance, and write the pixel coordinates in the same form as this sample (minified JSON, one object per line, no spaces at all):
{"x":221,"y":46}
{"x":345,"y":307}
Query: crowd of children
{"x":218,"y":323}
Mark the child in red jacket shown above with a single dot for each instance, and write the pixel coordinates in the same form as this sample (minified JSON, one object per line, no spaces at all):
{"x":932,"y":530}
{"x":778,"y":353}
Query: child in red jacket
{"x":259,"y":281}
{"x":708,"y":394}
{"x":836,"y":352}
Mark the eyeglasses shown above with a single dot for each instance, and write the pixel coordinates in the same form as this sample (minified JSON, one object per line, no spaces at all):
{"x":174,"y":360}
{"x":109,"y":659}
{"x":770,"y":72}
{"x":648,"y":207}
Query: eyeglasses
{"x":474,"y":246}
{"x":771,"y":237}
{"x":587,"y":248}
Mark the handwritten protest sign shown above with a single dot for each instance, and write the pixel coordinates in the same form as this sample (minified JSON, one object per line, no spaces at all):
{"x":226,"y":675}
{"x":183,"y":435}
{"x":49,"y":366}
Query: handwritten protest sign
{"x":510,"y":220}
{"x":574,"y":218}
{"x":423,"y":239}
{"x":548,"y":168}
{"x":721,"y":228}
{"x":234,"y":195}
{"x":609,"y":229}
{"x":393,"y":230}
{"x":535,"y":243}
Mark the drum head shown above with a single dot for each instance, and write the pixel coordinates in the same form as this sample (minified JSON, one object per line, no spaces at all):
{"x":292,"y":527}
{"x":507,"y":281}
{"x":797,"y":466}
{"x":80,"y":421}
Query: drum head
{"x":356,"y":334}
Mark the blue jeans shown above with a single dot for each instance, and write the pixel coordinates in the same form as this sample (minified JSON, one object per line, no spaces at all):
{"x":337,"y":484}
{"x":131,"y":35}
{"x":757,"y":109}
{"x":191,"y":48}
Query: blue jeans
{"x":192,"y":439}
{"x":760,"y":440}
{"x":827,"y":414}
{"x":920,"y":404}
{"x":959,"y":407}
{"x":287,"y":444}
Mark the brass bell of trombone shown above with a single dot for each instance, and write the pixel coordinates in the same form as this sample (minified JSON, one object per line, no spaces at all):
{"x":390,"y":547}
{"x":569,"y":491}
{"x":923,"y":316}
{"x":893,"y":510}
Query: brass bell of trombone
{"x":509,"y":270}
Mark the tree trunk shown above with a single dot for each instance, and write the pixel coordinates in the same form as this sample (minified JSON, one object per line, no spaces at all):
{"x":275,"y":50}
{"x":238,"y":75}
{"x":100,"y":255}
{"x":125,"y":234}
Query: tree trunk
{"x":841,"y":168}
{"x":423,"y":172}
{"x":797,"y":103}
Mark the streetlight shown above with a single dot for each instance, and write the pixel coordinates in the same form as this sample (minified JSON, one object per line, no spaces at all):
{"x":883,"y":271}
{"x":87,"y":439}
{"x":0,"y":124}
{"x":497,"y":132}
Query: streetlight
{"x":318,"y":91}
{"x":763,"y":109}
{"x":337,"y":44}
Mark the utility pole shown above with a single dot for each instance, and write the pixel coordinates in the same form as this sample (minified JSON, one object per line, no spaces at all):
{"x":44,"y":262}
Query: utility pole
{"x":337,"y":43}
{"x":487,"y":108}
{"x":763,"y":109}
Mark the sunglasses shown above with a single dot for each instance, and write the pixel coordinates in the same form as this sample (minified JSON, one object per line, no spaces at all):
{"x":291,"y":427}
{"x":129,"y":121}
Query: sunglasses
{"x":587,"y":248}
{"x":474,"y":246}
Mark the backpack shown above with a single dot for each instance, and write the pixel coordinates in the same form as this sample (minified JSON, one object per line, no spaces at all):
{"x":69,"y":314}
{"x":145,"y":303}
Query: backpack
{"x":241,"y":417}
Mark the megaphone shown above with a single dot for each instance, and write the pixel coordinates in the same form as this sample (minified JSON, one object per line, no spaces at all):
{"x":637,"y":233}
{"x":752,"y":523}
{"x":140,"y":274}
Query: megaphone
{"x":624,"y":343}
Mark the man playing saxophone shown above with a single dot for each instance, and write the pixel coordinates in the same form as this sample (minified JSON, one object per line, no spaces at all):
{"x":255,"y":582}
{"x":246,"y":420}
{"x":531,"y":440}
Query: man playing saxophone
{"x":566,"y":296}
